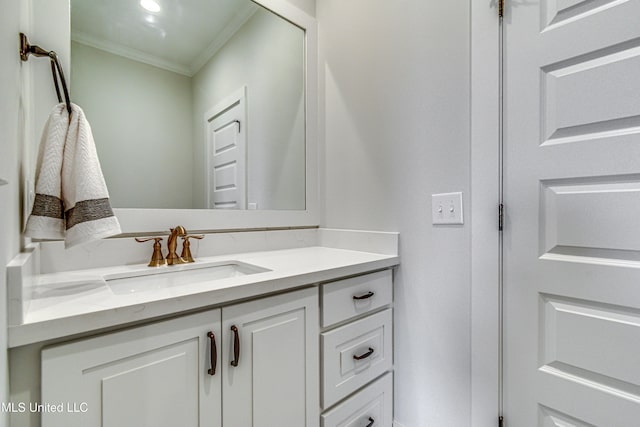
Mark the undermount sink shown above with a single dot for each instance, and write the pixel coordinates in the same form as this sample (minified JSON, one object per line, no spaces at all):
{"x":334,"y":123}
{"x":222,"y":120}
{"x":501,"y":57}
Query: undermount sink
{"x":173,"y":276}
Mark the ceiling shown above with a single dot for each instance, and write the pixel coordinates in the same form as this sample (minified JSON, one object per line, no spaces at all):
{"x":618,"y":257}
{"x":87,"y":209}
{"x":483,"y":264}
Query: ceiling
{"x":181,"y":37}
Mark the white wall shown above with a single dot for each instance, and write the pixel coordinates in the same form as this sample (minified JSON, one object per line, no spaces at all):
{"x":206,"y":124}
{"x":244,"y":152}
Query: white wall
{"x":140,"y":116}
{"x":266,"y":46}
{"x":47,"y":24}
{"x":395,"y":82}
{"x":308,"y":6}
{"x":12,"y":131}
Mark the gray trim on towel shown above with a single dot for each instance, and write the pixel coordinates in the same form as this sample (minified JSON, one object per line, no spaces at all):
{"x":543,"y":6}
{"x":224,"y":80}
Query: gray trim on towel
{"x":88,"y":210}
{"x":46,"y":205}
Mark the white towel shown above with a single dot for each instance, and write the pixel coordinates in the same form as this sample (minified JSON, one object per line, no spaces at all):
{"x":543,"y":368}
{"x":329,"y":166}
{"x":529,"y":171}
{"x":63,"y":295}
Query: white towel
{"x":72,"y":201}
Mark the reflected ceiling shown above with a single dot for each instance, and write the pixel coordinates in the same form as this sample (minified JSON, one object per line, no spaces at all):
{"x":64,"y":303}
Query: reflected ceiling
{"x":181,"y":37}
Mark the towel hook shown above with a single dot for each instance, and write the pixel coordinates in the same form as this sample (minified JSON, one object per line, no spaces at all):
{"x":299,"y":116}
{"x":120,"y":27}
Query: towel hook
{"x":26,"y":49}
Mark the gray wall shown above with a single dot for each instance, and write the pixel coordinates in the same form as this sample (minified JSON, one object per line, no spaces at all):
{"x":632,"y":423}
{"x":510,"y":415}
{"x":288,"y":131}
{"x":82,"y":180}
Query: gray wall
{"x":140,"y":116}
{"x":394,"y":78}
{"x":11,"y":133}
{"x":265,"y":46}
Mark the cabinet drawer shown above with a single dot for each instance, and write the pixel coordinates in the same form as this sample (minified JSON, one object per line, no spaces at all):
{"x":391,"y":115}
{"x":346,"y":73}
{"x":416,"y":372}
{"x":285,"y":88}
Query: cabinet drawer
{"x":371,"y":291}
{"x":355,"y":354}
{"x":372,"y":406}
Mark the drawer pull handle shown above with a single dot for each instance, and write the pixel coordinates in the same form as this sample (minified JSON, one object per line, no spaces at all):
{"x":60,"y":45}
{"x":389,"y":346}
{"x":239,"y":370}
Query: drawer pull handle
{"x":236,"y":346}
{"x":214,"y":354}
{"x":371,"y":422}
{"x":365,"y":355}
{"x":365,"y":296}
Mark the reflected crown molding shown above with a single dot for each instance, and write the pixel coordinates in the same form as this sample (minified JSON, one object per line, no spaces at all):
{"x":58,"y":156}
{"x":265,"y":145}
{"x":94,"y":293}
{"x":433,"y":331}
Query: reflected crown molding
{"x":129,"y":53}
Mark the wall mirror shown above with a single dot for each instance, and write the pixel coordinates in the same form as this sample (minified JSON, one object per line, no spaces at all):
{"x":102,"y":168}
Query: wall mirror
{"x":203,"y":112}
{"x":195,"y":104}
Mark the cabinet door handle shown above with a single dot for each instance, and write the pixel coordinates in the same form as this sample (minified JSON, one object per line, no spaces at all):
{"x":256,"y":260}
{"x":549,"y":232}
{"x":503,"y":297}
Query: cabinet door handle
{"x":214,"y":354}
{"x":236,"y":346}
{"x":365,"y":355}
{"x":365,"y":296}
{"x":371,"y":422}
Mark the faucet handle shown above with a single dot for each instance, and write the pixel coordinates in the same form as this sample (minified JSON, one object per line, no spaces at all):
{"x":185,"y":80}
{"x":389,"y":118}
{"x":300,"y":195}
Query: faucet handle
{"x":186,"y":246}
{"x":156,"y":259}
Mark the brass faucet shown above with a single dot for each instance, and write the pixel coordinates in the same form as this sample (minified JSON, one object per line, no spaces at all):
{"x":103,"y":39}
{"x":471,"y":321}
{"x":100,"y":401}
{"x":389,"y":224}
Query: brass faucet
{"x":172,"y":244}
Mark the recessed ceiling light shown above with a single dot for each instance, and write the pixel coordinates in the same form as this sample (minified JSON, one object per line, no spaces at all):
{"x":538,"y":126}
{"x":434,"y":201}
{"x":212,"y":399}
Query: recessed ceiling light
{"x":150,"y":5}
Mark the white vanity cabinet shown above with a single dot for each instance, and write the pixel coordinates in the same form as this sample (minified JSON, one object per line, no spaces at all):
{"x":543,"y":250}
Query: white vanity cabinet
{"x":160,"y":375}
{"x":357,"y":351}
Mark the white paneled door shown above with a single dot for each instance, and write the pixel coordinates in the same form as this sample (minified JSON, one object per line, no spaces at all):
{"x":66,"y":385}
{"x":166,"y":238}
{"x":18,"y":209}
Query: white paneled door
{"x":226,"y":150}
{"x":572,"y":195}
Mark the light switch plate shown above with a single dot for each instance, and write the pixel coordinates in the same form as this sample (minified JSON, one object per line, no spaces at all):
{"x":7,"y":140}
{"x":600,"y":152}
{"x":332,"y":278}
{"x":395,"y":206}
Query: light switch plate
{"x":446,"y":208}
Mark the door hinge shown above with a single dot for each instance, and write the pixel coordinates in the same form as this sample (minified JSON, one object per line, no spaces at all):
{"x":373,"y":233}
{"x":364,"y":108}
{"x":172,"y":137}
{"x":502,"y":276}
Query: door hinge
{"x":500,"y":217}
{"x":501,"y":421}
{"x":500,"y":8}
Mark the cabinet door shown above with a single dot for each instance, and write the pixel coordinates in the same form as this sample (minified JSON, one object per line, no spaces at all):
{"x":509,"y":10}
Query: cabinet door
{"x":275,"y":381}
{"x":156,"y":375}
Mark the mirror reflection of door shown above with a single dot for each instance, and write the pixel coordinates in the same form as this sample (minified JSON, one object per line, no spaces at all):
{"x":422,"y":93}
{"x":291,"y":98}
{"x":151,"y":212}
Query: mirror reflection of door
{"x":226,"y":164}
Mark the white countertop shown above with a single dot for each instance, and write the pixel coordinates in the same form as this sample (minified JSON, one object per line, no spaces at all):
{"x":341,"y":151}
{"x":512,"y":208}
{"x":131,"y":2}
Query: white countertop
{"x":76,"y":302}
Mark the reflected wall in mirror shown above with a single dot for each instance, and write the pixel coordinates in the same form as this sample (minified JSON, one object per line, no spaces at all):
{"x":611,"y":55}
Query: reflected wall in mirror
{"x":200,"y":104}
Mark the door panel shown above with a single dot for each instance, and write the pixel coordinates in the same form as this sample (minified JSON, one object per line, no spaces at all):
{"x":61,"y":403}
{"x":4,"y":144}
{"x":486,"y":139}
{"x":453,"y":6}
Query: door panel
{"x":551,"y":418}
{"x":159,"y":378}
{"x":150,"y":375}
{"x":275,"y":382}
{"x":572,"y":191}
